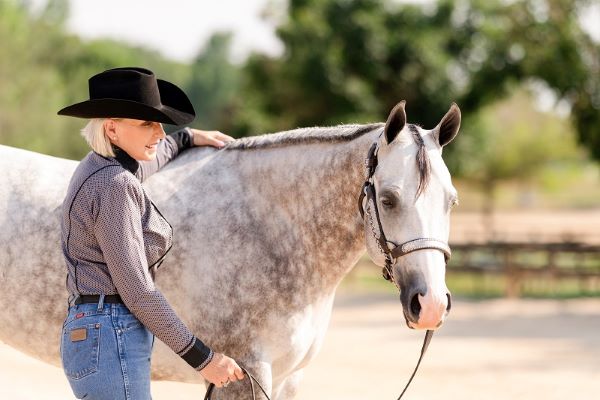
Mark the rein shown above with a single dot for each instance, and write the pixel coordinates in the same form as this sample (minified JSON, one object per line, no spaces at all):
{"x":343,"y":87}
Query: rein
{"x":252,"y":379}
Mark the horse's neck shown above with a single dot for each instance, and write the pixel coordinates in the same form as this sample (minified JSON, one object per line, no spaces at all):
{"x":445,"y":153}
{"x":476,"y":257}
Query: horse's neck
{"x":309,"y":195}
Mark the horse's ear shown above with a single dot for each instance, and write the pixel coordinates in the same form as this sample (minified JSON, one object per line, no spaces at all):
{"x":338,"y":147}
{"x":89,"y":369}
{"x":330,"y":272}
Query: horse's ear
{"x":395,"y":122}
{"x":448,"y":127}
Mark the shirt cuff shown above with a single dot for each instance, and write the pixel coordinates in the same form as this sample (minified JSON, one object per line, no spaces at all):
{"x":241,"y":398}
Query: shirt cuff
{"x":184,"y":138}
{"x":198,"y":355}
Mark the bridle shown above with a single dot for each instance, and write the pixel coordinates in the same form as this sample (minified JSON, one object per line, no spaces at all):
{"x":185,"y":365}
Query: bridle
{"x":397,"y":251}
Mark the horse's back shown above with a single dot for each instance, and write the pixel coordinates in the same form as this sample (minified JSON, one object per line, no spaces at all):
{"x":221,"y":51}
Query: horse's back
{"x":32,"y":298}
{"x":34,"y":176}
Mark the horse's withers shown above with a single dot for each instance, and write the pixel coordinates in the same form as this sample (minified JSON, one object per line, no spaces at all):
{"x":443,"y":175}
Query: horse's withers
{"x":414,"y":205}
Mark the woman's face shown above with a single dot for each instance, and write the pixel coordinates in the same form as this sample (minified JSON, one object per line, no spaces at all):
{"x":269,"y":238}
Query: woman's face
{"x":138,"y":138}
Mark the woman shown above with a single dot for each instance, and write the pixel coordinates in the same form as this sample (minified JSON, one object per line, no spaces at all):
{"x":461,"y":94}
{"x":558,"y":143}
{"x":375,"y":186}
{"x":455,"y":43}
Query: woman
{"x":114,"y":238}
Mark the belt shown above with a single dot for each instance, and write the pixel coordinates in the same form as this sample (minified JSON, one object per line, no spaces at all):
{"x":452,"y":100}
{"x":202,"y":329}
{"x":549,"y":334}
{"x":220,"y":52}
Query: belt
{"x":95,"y":298}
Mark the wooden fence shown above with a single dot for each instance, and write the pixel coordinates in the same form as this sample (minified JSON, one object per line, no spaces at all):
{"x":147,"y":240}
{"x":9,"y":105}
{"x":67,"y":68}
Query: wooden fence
{"x":522,"y":261}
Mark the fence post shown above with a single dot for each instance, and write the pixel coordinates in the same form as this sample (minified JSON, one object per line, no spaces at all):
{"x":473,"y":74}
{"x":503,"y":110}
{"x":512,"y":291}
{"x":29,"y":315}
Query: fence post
{"x":513,"y":278}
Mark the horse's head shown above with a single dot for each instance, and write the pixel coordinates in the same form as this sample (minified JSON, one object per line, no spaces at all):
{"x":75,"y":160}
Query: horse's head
{"x":407,"y":206}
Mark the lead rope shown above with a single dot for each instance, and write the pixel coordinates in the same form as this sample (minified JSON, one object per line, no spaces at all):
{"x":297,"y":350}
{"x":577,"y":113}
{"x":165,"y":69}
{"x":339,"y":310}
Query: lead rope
{"x":252,"y":380}
{"x":426,"y":341}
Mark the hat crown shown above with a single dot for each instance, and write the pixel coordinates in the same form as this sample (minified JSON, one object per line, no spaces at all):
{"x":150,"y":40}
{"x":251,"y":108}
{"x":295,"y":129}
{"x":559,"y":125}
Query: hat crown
{"x":134,"y":84}
{"x":133,"y":92}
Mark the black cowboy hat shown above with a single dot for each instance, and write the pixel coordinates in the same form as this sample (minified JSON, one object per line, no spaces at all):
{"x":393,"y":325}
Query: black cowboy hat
{"x":133,"y":93}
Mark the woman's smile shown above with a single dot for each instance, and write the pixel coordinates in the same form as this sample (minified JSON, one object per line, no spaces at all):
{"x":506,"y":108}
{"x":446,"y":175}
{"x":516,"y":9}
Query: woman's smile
{"x":138,"y":138}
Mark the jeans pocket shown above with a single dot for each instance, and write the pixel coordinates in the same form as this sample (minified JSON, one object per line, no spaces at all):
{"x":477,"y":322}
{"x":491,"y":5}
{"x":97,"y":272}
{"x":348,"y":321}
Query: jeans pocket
{"x":80,"y":348}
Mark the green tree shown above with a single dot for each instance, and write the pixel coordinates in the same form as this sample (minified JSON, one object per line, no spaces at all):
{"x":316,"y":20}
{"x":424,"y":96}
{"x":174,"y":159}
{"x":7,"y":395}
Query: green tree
{"x":213,"y":84}
{"x":520,"y":144}
{"x":30,"y":85}
{"x":352,"y":60}
{"x":500,"y":44}
{"x":43,"y":68}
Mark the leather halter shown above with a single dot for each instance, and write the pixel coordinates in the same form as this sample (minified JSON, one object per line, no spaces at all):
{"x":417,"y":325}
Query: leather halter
{"x":397,"y":251}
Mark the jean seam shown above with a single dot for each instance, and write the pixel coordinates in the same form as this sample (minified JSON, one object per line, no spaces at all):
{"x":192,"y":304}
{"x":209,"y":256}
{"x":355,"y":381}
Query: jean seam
{"x":122,"y":351}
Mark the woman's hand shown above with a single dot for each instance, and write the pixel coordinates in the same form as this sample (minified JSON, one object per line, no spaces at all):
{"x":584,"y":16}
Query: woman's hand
{"x":210,"y":138}
{"x":222,"y":370}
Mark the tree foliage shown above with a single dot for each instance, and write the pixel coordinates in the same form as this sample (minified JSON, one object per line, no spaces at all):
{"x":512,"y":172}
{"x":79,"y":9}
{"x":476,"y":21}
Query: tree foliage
{"x":43,"y":68}
{"x":213,"y":84}
{"x":352,"y":60}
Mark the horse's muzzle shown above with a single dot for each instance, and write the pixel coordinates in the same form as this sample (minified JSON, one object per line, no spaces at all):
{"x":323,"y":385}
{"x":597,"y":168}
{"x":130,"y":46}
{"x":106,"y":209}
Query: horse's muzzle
{"x":426,"y":311}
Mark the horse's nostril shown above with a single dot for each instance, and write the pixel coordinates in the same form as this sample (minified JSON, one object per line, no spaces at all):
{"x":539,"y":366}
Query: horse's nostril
{"x":415,"y":306}
{"x":449,"y":301}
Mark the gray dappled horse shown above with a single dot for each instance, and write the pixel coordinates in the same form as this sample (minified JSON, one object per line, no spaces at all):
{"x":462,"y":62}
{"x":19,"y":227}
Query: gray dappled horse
{"x":265,"y":230}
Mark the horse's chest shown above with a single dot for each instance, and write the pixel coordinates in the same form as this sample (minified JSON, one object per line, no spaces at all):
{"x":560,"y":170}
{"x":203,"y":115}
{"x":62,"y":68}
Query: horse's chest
{"x":299,"y":338}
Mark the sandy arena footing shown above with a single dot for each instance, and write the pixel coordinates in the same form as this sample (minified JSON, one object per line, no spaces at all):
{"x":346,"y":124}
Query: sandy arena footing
{"x":491,"y":350}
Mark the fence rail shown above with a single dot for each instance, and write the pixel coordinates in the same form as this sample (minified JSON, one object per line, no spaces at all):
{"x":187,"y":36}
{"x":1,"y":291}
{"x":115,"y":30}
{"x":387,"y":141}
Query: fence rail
{"x":521,"y":261}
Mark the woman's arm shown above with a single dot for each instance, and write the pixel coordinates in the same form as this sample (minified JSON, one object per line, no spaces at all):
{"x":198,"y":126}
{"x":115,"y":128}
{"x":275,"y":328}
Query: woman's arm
{"x":118,"y":230}
{"x":175,"y":143}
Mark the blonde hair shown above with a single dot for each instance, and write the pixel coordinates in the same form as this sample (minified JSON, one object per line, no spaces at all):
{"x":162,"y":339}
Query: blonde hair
{"x":94,"y":134}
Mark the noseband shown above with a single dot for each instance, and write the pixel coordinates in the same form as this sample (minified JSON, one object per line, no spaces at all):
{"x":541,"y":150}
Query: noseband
{"x":396,"y":251}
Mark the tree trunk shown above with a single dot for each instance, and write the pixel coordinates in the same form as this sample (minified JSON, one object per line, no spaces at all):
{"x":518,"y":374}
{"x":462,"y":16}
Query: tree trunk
{"x":488,"y":209}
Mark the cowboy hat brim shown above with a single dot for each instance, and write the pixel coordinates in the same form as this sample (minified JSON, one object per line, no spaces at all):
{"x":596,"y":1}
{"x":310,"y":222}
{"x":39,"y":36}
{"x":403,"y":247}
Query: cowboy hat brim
{"x":175,"y":107}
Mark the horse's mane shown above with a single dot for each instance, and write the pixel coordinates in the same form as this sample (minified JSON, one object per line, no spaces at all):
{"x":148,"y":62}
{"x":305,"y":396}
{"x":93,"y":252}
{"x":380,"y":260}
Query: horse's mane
{"x":341,"y":133}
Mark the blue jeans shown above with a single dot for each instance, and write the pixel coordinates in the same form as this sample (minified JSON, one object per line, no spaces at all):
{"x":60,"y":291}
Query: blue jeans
{"x":105,"y":352}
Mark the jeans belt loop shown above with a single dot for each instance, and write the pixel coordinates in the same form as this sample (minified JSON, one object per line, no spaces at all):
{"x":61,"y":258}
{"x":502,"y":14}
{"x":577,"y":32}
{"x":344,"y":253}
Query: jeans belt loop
{"x":71,"y":300}
{"x":101,"y":303}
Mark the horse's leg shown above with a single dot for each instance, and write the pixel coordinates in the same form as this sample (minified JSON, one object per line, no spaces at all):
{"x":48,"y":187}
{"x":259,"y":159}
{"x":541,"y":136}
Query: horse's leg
{"x":288,"y":388}
{"x":241,"y":390}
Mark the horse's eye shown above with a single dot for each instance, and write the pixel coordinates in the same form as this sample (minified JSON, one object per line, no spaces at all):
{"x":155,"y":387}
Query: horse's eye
{"x":453,"y":203}
{"x":386,"y":202}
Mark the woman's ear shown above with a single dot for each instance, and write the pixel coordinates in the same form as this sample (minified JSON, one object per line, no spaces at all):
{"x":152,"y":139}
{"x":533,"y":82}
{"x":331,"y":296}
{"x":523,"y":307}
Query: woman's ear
{"x":110,"y":129}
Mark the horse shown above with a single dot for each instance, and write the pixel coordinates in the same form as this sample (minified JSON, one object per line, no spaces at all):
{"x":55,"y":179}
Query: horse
{"x":265,"y":229}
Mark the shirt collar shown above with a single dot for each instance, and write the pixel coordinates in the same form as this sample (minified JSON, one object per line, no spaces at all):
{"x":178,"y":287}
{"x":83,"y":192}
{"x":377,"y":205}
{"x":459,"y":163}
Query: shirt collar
{"x":128,"y":162}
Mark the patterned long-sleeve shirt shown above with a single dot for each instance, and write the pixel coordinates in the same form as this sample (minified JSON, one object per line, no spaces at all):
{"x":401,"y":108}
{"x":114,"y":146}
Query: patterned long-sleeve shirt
{"x":113,"y":235}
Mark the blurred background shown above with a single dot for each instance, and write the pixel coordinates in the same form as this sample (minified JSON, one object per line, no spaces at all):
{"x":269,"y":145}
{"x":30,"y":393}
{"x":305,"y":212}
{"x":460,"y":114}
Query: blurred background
{"x":525,"y":272}
{"x":524,"y":73}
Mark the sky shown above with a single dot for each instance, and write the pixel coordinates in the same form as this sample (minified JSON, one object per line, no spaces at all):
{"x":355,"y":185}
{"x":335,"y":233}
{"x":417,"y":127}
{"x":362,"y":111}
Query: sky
{"x":179,"y":28}
{"x":176,"y":28}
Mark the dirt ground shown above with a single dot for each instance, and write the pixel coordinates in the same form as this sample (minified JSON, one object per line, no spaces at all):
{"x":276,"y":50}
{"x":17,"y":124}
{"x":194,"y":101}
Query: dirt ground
{"x":492,"y":350}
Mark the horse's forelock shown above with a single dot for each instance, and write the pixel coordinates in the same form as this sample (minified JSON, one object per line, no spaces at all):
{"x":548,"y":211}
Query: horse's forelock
{"x":422,"y":160}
